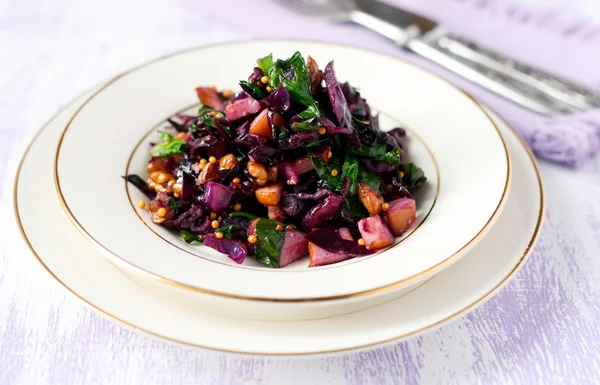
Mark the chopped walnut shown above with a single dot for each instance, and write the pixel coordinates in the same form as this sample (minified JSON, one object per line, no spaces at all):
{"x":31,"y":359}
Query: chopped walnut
{"x":258,"y":171}
{"x":227,"y":162}
{"x":208,"y":173}
{"x":369,"y":198}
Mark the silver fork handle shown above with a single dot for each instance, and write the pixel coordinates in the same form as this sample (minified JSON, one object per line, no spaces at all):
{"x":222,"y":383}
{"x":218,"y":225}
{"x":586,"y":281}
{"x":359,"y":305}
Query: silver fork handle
{"x":483,"y":77}
{"x":486,"y":79}
{"x":559,"y":89}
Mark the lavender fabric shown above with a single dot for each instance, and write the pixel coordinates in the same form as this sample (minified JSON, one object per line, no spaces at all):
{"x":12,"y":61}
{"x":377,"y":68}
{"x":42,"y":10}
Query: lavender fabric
{"x":550,"y":39}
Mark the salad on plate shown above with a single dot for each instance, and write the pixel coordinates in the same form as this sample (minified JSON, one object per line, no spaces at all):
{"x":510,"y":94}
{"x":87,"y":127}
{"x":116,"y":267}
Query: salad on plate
{"x":294,"y":164}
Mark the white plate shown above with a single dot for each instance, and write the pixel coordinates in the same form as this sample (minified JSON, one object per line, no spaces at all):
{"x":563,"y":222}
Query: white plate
{"x":474,"y":172}
{"x":78,"y":266}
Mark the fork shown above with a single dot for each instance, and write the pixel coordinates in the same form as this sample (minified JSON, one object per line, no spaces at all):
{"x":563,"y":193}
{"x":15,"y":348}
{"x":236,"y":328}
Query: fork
{"x":530,"y":88}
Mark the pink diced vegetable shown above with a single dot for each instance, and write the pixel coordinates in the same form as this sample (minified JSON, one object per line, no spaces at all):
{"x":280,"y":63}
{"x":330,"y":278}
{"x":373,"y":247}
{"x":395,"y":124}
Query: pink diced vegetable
{"x":401,"y":214}
{"x":321,"y":257}
{"x":295,"y":246}
{"x":302,"y":166}
{"x":209,"y":97}
{"x":276,"y":213}
{"x":242,"y":108}
{"x":375,"y":232}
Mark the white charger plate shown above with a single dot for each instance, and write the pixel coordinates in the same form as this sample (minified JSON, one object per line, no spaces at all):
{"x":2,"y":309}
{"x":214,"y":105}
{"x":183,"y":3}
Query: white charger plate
{"x":80,"y":268}
{"x":473,"y":173}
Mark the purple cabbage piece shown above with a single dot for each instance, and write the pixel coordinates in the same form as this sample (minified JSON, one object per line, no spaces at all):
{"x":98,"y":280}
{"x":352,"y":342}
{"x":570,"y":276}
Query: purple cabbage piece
{"x":289,"y":173}
{"x":265,"y":154}
{"x":249,"y":141}
{"x":387,"y":139}
{"x":337,"y":98}
{"x":279,"y":100}
{"x":203,"y":227}
{"x":195,"y":219}
{"x":345,"y":186}
{"x":322,"y":212}
{"x":316,"y":196}
{"x":141,"y":185}
{"x":188,"y":186}
{"x":293,"y":206}
{"x":297,"y":140}
{"x":350,"y":135}
{"x":295,"y":119}
{"x":243,"y":223}
{"x":306,"y":182}
{"x":235,"y":250}
{"x":338,"y":130}
{"x":243,"y":128}
{"x":320,"y":150}
{"x":210,"y":145}
{"x":358,"y":106}
{"x":257,"y":73}
{"x":217,"y":197}
{"x":398,"y":189}
{"x":330,"y":239}
{"x":398,"y":133}
{"x":179,"y":127}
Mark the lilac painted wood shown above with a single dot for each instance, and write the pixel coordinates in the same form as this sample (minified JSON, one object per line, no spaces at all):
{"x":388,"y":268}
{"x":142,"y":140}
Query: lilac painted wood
{"x":543,"y":328}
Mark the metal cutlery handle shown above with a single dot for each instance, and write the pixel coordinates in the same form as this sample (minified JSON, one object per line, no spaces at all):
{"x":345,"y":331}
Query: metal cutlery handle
{"x":487,"y":79}
{"x":560,"y":89}
{"x":484,"y":77}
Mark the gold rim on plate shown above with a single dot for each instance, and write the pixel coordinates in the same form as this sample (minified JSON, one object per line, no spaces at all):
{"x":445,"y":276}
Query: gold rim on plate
{"x":122,"y":322}
{"x":279,"y":271}
{"x":130,"y":267}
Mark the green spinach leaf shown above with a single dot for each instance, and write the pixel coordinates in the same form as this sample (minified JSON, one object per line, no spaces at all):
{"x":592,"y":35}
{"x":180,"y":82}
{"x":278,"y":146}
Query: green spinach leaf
{"x":265,"y":63}
{"x":189,"y":237}
{"x":369,"y":177}
{"x":169,"y":146}
{"x":378,"y":152}
{"x":255,"y":89}
{"x":413,"y":175}
{"x":243,"y":214}
{"x":303,"y":127}
{"x":269,"y":242}
{"x":229,"y":231}
{"x":346,"y":166}
{"x":293,"y":75}
{"x":207,"y":116}
{"x":353,"y":205}
{"x":173,"y":204}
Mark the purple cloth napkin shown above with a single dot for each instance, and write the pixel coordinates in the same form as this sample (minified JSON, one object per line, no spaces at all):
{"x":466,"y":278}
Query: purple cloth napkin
{"x":548,"y":38}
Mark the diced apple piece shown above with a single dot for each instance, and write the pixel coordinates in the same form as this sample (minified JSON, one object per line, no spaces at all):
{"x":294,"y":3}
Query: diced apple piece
{"x":295,"y":246}
{"x":276,"y":213}
{"x":302,"y":166}
{"x":269,"y":195}
{"x":260,"y":125}
{"x":321,"y":257}
{"x":241,"y":108}
{"x":375,"y":232}
{"x":209,"y":97}
{"x":401,"y":214}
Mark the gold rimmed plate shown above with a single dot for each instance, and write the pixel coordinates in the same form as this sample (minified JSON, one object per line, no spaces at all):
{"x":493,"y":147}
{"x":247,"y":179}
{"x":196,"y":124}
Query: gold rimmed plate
{"x":80,"y":268}
{"x":458,"y":146}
